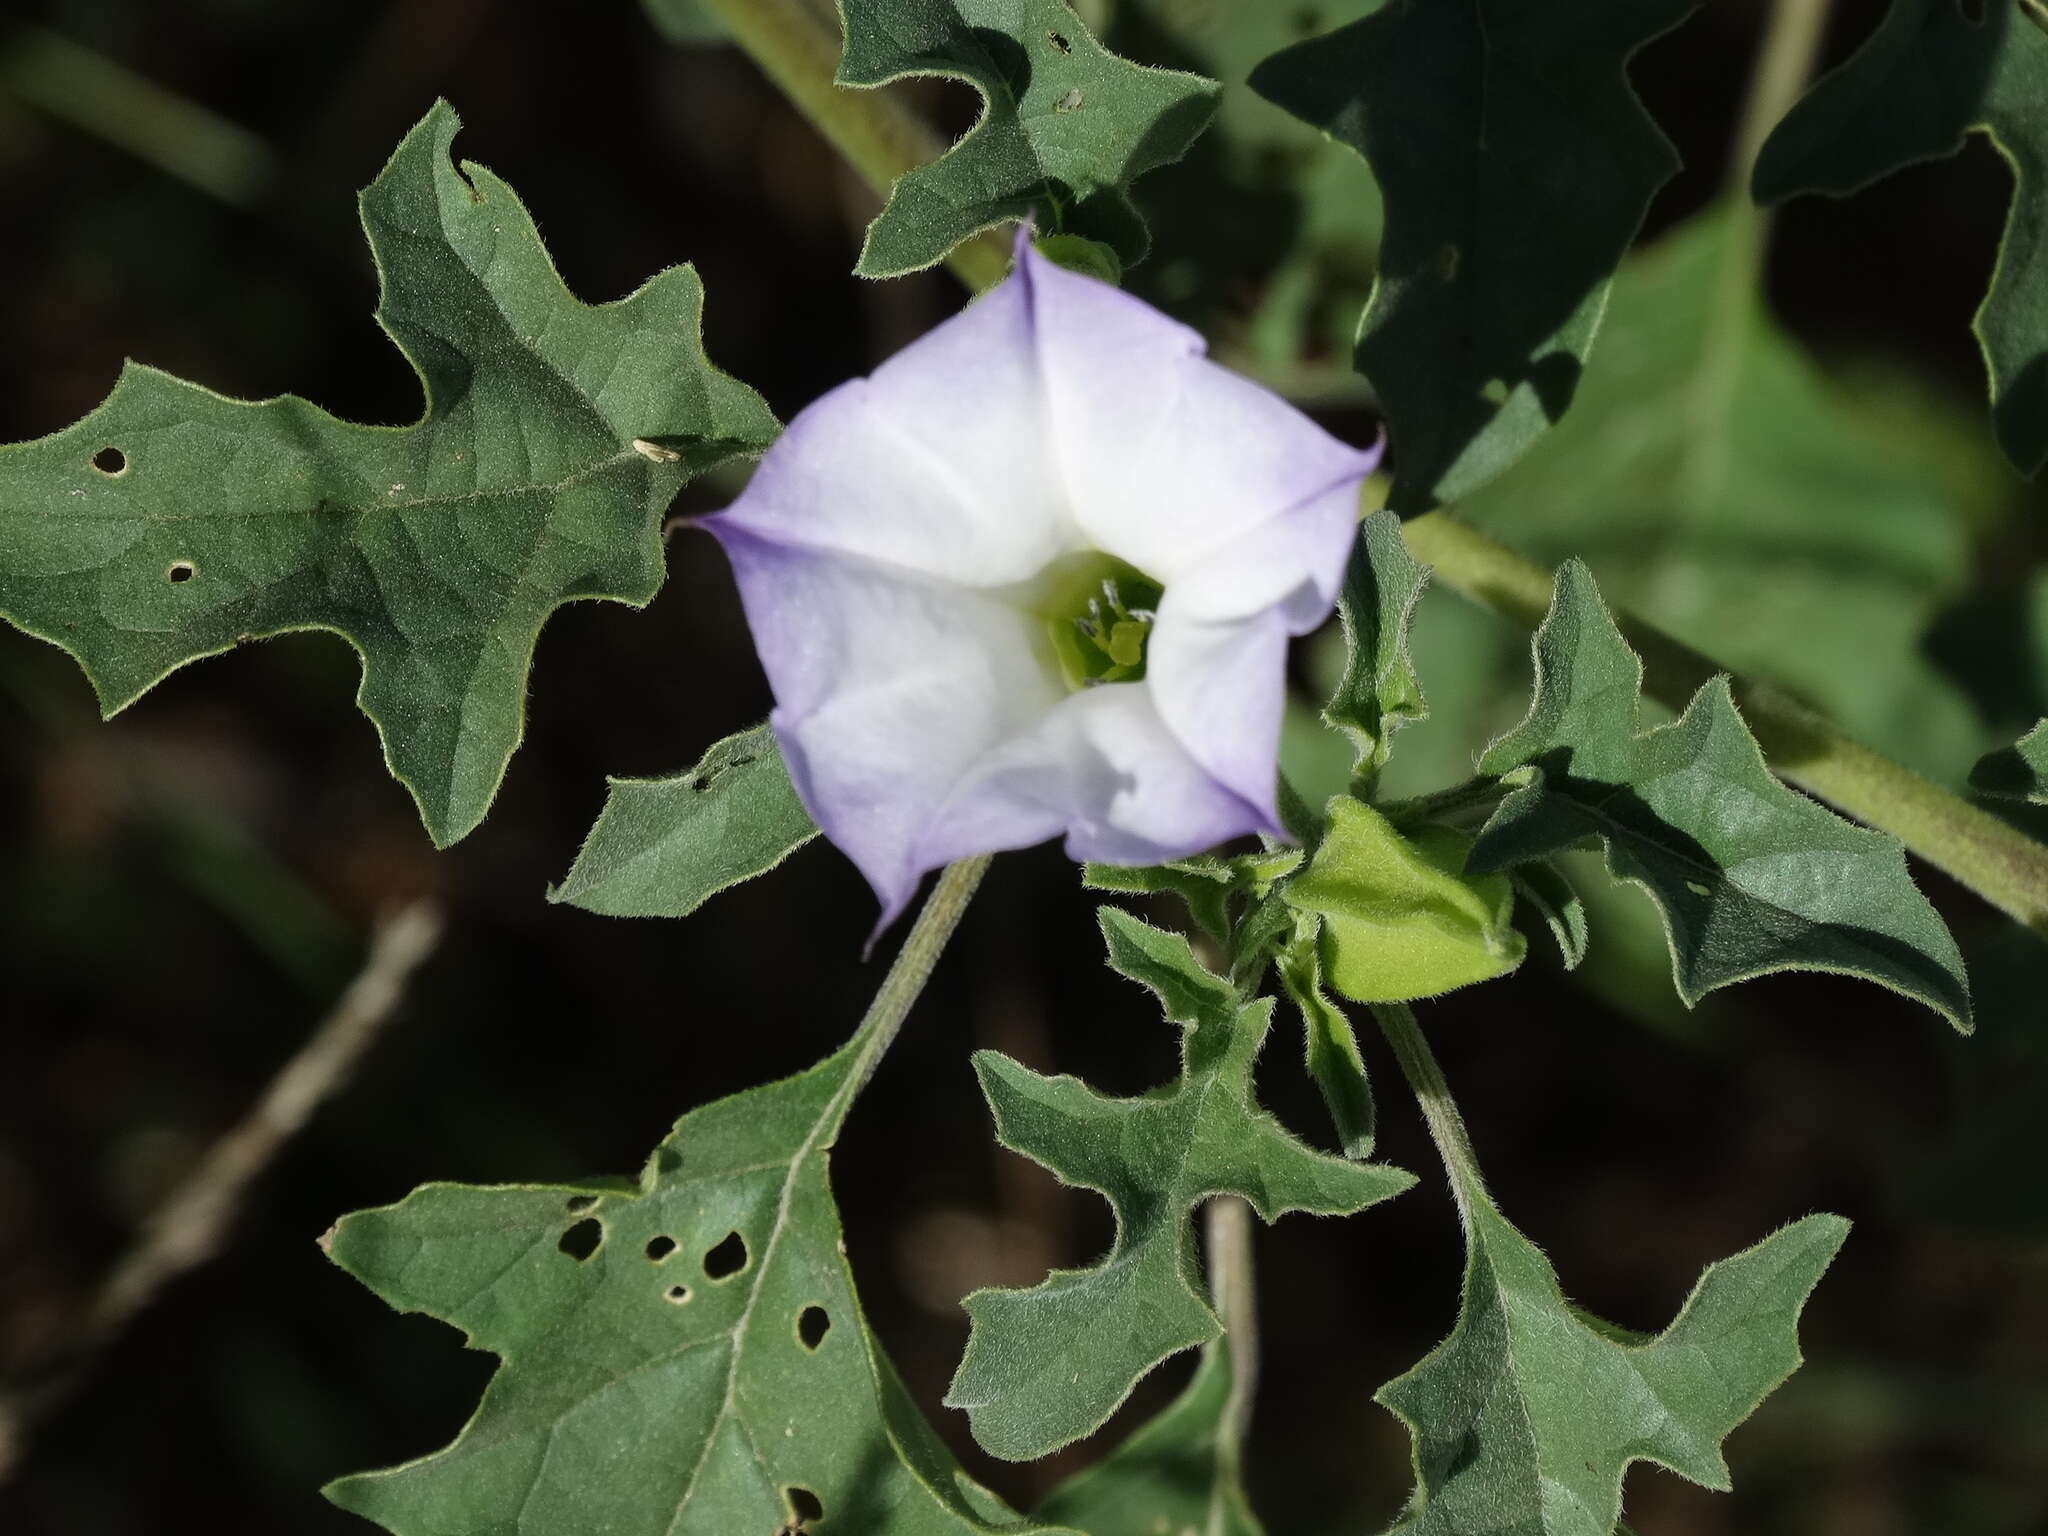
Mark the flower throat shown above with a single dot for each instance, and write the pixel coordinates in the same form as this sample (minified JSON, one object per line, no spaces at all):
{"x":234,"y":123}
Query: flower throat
{"x":1098,"y":611}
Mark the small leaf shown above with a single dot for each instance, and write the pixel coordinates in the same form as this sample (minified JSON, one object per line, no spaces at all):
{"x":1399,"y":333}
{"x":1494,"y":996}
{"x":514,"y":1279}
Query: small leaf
{"x":1529,"y":1415}
{"x":1401,"y":919}
{"x":1048,"y":1365}
{"x":684,"y":1358}
{"x":1550,"y":891}
{"x":1204,"y":884}
{"x":1379,"y":691}
{"x":1750,"y":876}
{"x":173,"y":524}
{"x":1333,"y":1058}
{"x":1170,"y":1475}
{"x":1516,"y":164}
{"x":1934,"y":72}
{"x":2017,"y":772}
{"x":1067,"y":125}
{"x":662,"y":847}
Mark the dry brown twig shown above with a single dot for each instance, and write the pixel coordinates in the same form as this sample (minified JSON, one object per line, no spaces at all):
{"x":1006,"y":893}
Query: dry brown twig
{"x":188,"y":1227}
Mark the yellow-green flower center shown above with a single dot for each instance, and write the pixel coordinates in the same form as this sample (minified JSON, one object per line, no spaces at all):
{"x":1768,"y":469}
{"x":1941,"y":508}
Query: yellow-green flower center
{"x":1098,"y":612}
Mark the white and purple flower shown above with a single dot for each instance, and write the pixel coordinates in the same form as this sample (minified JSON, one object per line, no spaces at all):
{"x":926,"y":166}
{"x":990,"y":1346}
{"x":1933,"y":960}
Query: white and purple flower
{"x":1036,"y":575}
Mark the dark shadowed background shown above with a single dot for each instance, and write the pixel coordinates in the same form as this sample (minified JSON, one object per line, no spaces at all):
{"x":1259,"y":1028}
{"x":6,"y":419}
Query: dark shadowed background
{"x":184,"y":891}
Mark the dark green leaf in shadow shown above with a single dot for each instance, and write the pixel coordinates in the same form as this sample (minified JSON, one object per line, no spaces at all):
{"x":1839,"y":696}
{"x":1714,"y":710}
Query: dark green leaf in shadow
{"x":1932,"y":73}
{"x":2017,"y":772}
{"x":1516,"y":165}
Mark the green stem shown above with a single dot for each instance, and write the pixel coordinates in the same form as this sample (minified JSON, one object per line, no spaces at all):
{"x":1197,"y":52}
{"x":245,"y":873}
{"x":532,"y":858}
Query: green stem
{"x":1227,"y":1224}
{"x":797,"y":46}
{"x":911,"y":969}
{"x":1998,"y":862}
{"x":1784,"y":63}
{"x":175,"y":134}
{"x":1446,"y":1125}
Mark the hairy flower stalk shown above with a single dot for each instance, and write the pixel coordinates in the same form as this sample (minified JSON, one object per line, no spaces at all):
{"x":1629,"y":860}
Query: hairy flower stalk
{"x":1036,"y":576}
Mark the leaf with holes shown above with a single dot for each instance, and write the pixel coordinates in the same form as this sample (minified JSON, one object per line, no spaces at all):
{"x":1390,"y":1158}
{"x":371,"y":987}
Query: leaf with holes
{"x":1516,"y":165}
{"x":1176,"y":1473}
{"x":1048,"y":1365}
{"x":1934,"y":72}
{"x":687,"y":1357}
{"x":2017,"y":772}
{"x":172,"y":524}
{"x":1527,"y":1417}
{"x":1750,"y":876}
{"x":662,"y":847}
{"x":1379,"y":691}
{"x":1068,"y":126}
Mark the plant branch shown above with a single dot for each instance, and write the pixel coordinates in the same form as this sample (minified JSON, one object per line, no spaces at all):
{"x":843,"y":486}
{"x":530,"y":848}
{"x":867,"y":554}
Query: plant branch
{"x":188,"y":1227}
{"x":797,"y":47}
{"x":1227,"y":1225}
{"x":2001,"y":864}
{"x":912,"y":968}
{"x":1446,"y":1125}
{"x":1784,"y":63}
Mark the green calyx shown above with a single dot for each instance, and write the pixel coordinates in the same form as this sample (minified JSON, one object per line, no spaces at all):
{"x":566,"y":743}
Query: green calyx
{"x":1400,"y":918}
{"x":1098,"y":611}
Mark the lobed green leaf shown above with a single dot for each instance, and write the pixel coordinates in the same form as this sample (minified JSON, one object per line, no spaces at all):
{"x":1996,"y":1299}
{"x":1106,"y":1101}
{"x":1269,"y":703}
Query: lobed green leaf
{"x":1045,"y":1366}
{"x":1516,"y":165}
{"x":1934,"y":72}
{"x":687,"y":1357}
{"x":1529,"y":1415}
{"x":1067,"y":125}
{"x":662,"y":847}
{"x":1749,"y":876}
{"x":173,"y":524}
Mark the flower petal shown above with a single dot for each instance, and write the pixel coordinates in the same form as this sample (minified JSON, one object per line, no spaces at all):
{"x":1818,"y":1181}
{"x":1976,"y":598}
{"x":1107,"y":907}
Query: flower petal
{"x":1103,"y":766}
{"x":1165,"y":456}
{"x":936,"y":463}
{"x":1217,"y":659}
{"x":889,"y":687}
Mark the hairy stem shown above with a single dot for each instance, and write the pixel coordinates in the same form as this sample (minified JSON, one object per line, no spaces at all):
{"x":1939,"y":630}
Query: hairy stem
{"x":796,"y":43}
{"x":912,"y":968}
{"x":1227,"y":1225}
{"x":1998,"y":862}
{"x":1446,"y":1125}
{"x":1784,"y":63}
{"x":1784,"y":60}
